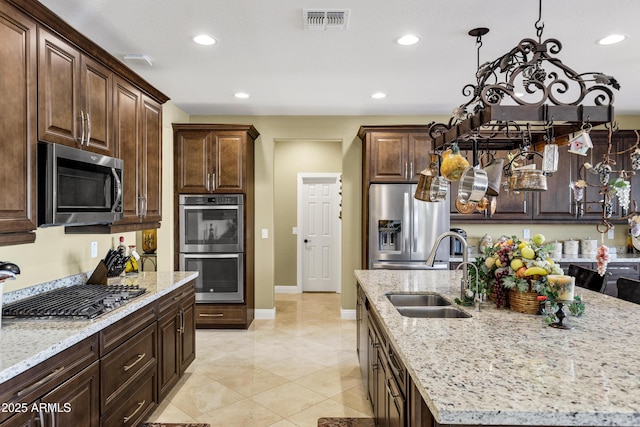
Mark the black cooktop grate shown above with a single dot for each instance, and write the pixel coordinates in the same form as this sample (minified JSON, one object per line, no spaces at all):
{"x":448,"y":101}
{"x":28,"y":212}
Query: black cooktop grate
{"x":87,"y":301}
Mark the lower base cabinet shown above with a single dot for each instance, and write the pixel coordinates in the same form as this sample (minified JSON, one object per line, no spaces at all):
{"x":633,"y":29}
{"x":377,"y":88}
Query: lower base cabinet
{"x":115,"y":378}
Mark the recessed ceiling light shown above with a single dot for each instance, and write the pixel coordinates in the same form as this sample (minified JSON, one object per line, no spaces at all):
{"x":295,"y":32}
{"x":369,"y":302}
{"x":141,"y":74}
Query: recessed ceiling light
{"x":611,"y":39}
{"x":241,"y":95}
{"x":379,"y":95}
{"x":408,"y":40}
{"x":204,"y":40}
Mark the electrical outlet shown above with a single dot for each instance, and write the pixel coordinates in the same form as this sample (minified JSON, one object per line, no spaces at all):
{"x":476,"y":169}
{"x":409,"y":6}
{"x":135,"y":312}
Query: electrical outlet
{"x":525,"y":233}
{"x":265,"y":233}
{"x":94,"y":249}
{"x":294,"y":230}
{"x":610,"y":234}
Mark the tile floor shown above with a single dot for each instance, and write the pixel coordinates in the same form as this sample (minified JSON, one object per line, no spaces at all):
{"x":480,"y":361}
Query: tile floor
{"x":282,"y":373}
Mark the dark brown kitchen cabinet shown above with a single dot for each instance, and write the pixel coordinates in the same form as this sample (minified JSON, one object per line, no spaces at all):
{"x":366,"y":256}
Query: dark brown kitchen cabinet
{"x":71,"y":374}
{"x":387,"y":379}
{"x":396,"y":155}
{"x":176,"y":333}
{"x":211,"y":158}
{"x":74,"y":96}
{"x":18,"y":121}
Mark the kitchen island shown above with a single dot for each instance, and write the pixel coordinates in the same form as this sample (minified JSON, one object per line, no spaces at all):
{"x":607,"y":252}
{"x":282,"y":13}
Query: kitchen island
{"x":500,"y":367}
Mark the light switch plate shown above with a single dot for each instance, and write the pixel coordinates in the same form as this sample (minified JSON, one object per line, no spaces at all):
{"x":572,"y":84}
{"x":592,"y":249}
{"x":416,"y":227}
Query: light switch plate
{"x":94,"y":249}
{"x":265,"y":233}
{"x":610,"y":234}
{"x":525,"y":233}
{"x":294,"y":230}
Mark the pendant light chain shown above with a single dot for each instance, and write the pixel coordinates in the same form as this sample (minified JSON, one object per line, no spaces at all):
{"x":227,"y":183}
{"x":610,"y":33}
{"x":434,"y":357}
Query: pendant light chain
{"x":539,"y":25}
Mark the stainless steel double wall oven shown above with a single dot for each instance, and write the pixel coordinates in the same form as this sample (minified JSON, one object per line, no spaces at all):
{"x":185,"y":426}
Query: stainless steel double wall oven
{"x":212,"y":243}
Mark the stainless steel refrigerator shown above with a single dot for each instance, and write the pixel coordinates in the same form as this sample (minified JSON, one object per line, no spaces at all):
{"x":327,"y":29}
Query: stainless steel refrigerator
{"x":402,"y":229}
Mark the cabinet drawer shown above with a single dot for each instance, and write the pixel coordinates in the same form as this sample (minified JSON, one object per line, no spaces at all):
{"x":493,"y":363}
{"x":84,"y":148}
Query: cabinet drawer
{"x":623,"y":269}
{"x":126,"y":364}
{"x":133,"y":407}
{"x":210,"y":314}
{"x":119,"y":332}
{"x":170,"y":302}
{"x":32,"y":384}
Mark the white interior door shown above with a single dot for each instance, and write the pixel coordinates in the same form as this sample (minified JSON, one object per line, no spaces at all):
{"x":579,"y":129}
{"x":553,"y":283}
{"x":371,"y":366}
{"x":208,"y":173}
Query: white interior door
{"x":319,"y":234}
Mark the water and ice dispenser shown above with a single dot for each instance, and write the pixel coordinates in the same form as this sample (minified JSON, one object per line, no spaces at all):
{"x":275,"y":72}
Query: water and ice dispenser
{"x":389,"y":235}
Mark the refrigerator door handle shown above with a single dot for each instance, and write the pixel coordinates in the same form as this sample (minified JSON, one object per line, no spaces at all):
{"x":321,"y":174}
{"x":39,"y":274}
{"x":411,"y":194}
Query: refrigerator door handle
{"x":406,"y":220}
{"x":415,"y":226}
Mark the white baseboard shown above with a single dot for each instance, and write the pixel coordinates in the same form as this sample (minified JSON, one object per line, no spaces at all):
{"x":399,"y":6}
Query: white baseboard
{"x":287,"y":290}
{"x":264,"y":313}
{"x":348,"y":314}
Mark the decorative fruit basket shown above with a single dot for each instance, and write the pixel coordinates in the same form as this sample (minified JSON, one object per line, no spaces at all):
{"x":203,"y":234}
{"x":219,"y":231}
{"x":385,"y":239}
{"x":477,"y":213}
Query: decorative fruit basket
{"x":514,"y":273}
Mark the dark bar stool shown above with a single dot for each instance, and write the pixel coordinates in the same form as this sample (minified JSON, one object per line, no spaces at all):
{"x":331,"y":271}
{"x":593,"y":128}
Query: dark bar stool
{"x":629,"y":289}
{"x":587,"y":278}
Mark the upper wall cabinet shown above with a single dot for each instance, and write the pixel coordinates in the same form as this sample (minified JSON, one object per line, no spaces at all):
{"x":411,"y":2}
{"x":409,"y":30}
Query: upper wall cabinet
{"x":211,"y":158}
{"x":74,"y":97}
{"x":18,"y":124}
{"x":395,"y":155}
{"x":60,"y":87}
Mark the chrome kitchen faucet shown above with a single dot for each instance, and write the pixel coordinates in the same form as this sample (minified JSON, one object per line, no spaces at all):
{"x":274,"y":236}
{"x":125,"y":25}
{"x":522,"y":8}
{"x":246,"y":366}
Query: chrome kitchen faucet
{"x":465,"y":257}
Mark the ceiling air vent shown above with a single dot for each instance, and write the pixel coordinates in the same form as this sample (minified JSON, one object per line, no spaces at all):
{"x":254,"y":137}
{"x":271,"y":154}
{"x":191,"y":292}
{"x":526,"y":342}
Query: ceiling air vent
{"x":325,"y":19}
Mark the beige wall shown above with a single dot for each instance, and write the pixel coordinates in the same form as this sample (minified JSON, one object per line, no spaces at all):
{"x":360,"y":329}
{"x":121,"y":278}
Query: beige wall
{"x":290,"y":158}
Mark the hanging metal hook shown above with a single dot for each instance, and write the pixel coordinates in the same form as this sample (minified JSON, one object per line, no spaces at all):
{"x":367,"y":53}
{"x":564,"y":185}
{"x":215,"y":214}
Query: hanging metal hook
{"x":478,"y":33}
{"x":539,"y":24}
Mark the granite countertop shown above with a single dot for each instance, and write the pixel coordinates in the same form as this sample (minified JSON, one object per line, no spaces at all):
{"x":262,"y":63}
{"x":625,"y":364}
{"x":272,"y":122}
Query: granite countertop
{"x":26,"y":342}
{"x":505,"y":368}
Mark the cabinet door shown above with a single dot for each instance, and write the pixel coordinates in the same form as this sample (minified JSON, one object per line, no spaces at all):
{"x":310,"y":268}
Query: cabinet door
{"x":127,"y":101}
{"x":558,"y":201}
{"x":188,"y":334}
{"x":389,"y":157}
{"x":193,"y":153}
{"x":420,"y":146}
{"x":168,"y":353}
{"x":77,"y":400}
{"x":229,"y":176}
{"x":18,"y":123}
{"x":59,"y":118}
{"x":151,"y":160}
{"x":96,"y":106}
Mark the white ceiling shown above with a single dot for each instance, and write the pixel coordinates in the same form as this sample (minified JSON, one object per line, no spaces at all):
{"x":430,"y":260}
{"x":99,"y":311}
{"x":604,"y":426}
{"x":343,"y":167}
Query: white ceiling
{"x":264,"y":50}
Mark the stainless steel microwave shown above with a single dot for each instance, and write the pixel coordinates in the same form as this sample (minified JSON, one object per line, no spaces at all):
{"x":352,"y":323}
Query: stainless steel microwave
{"x":77,"y":187}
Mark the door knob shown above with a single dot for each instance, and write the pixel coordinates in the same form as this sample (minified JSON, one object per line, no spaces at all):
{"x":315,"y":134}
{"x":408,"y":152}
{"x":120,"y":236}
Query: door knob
{"x":306,"y":241}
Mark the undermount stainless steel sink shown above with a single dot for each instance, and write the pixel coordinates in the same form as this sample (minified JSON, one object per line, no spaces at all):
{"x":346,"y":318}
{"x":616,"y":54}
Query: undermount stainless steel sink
{"x":429,"y":299}
{"x":433,"y":312}
{"x":426,"y":305}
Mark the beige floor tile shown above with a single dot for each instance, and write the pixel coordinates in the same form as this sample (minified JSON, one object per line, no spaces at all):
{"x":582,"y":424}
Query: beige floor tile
{"x":328,"y":408}
{"x":196,"y":401}
{"x":356,"y":398}
{"x":330,"y":381}
{"x":288,"y":399}
{"x":251,"y":381}
{"x":244,"y":413}
{"x":283,"y":423}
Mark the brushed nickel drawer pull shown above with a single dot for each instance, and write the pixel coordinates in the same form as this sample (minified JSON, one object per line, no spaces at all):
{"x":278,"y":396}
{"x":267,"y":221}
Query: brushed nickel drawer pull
{"x":39,"y":383}
{"x":140,"y":357}
{"x":140,"y":405}
{"x":211,"y":315}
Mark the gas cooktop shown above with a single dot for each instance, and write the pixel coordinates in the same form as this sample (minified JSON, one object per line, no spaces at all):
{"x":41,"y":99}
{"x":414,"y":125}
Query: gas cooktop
{"x":80,"y":301}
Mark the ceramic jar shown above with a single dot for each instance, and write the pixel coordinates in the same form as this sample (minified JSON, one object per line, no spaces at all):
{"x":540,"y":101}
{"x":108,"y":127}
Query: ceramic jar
{"x":485,"y":242}
{"x":556,"y":252}
{"x":571,"y":247}
{"x":588,"y":246}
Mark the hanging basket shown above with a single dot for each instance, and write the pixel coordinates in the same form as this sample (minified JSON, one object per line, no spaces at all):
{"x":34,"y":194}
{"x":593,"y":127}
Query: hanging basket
{"x":524,"y":302}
